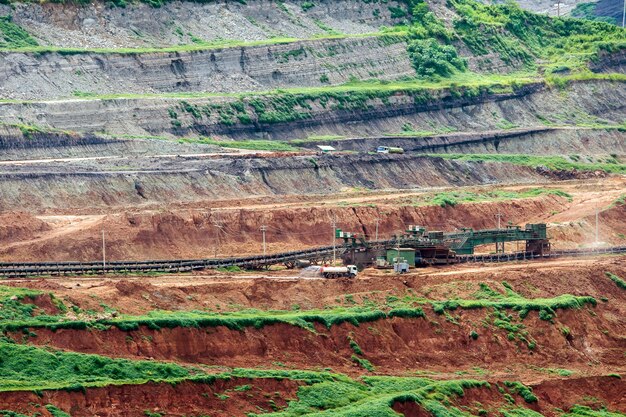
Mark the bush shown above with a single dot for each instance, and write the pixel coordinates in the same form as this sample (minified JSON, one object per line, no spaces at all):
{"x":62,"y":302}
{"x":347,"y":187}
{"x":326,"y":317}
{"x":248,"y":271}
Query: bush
{"x":617,"y":280}
{"x":522,"y":390}
{"x":430,"y":58}
{"x":364,"y":363}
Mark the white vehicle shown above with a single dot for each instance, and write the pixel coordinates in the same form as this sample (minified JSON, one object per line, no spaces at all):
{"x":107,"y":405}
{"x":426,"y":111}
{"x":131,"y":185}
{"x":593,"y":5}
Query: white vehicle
{"x":389,"y":149}
{"x":349,"y":271}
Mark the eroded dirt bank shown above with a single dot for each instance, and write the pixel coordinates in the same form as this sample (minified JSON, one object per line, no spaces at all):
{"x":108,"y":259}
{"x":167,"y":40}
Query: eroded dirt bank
{"x":594,"y":340}
{"x":185,"y":398}
{"x":222,"y":398}
{"x":198,"y":233}
{"x":554,"y":395}
{"x":95,"y":184}
{"x":232,"y":227}
{"x":395,"y":346}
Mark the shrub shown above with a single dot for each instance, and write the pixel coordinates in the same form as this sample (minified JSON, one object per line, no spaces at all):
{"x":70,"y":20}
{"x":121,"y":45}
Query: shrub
{"x":307,"y":5}
{"x":55,"y":411}
{"x":364,"y":363}
{"x":617,"y":280}
{"x":430,"y":58}
{"x":355,"y":347}
{"x":522,"y":390}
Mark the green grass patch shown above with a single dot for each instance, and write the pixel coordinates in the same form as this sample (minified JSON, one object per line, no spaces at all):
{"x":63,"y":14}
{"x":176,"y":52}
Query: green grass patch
{"x":374,"y":396}
{"x":549,"y":162}
{"x":256,"y":145}
{"x":22,"y":316}
{"x":584,"y":411}
{"x":617,"y":280}
{"x":452,"y":198}
{"x":30,"y":368}
{"x":522,"y":390}
{"x":56,"y":412}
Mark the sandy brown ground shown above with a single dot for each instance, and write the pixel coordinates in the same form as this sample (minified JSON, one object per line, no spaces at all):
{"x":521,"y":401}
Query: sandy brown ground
{"x":230,"y":228}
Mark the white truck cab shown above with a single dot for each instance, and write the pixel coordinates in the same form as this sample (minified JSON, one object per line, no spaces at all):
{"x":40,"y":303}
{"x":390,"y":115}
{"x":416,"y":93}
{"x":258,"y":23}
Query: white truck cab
{"x":352,"y":270}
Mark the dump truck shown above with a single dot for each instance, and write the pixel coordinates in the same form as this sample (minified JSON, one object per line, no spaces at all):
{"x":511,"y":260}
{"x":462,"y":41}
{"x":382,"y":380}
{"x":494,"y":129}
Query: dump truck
{"x":389,"y":149}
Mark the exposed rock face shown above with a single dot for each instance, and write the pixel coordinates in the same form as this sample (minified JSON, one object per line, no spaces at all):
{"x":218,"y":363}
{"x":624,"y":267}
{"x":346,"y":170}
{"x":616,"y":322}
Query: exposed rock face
{"x":299,"y":64}
{"x":98,"y":25}
{"x":537,"y":141}
{"x":529,"y":106}
{"x":51,"y":186}
{"x":610,"y":62}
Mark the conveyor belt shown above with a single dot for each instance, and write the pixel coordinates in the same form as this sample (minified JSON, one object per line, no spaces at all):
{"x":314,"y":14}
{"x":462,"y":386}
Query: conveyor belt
{"x":26,"y":269}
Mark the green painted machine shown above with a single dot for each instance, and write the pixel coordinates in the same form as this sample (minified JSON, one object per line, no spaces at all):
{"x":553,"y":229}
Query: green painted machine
{"x":464,"y":242}
{"x":436,"y":247}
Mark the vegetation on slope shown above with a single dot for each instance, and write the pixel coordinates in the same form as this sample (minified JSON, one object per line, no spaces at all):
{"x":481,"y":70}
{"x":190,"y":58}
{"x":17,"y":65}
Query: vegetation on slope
{"x":588,"y":11}
{"x":322,"y":394}
{"x":522,"y":35}
{"x":408,"y":307}
{"x":452,"y":198}
{"x":13,"y":36}
{"x":617,"y":280}
{"x":29,"y":368}
{"x":375,"y":396}
{"x":548,"y":162}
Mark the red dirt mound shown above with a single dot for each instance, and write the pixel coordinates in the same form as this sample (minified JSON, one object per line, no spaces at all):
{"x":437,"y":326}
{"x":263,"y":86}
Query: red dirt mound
{"x":186,"y":398}
{"x":393,"y":345}
{"x":16,"y":226}
{"x":201,"y":234}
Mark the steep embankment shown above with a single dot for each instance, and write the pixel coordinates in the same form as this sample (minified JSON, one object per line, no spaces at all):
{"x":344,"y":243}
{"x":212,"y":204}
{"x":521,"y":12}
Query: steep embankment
{"x":188,"y":179}
{"x":194,"y":234}
{"x":19,"y":144}
{"x":99,"y":25}
{"x":531,"y":141}
{"x":524,"y":323}
{"x":437,"y":329}
{"x":347,"y":113}
{"x":38,"y":76}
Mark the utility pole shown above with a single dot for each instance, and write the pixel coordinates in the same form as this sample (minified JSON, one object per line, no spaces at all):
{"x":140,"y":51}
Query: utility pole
{"x":263,"y":229}
{"x":334,"y":224}
{"x":218,"y":228}
{"x":597,"y":240}
{"x":624,"y":14}
{"x":558,"y":8}
{"x":104,"y":254}
{"x":499,"y":216}
{"x":398,"y":254}
{"x":378,"y":220}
